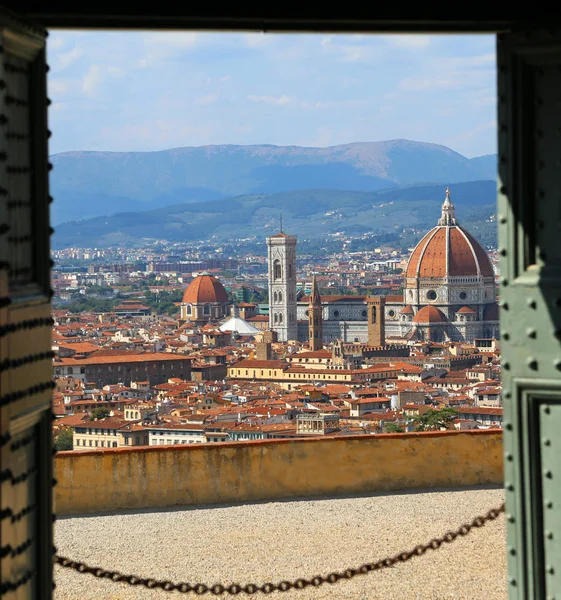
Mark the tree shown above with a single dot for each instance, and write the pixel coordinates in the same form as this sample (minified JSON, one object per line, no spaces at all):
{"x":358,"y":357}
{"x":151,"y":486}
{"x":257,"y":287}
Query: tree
{"x":99,"y":413}
{"x":392,"y":427}
{"x":65,"y":440}
{"x":435,"y":419}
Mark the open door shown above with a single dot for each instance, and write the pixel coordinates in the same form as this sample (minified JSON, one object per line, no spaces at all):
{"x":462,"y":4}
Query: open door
{"x":529,"y":216}
{"x":26,"y":380}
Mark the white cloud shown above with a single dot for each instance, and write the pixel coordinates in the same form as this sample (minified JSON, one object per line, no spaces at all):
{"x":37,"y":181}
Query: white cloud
{"x":58,"y":87}
{"x":271,"y":99}
{"x":162,"y":45}
{"x":65,"y":59}
{"x":409,"y":41}
{"x":352,"y":54}
{"x":96,"y":76}
{"x":55,"y":43}
{"x":92,"y":80}
{"x":209,"y":99}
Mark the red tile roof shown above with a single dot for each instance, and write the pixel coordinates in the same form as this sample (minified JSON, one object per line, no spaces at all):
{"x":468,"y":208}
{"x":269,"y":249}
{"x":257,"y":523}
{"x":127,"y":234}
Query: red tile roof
{"x":205,"y":288}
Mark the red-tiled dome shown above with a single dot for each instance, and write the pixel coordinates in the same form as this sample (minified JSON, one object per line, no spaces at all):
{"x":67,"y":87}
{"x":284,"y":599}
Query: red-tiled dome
{"x":406,"y":310}
{"x":430,"y":314}
{"x":448,"y":250}
{"x":465,"y":310}
{"x":203,"y":289}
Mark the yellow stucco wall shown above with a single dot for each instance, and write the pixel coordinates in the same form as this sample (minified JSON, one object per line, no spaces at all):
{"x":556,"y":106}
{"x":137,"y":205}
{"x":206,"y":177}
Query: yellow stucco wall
{"x":108,"y":480}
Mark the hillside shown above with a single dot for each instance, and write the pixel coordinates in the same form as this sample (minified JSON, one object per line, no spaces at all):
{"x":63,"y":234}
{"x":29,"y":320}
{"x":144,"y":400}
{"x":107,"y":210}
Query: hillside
{"x":306,"y":213}
{"x":89,"y":184}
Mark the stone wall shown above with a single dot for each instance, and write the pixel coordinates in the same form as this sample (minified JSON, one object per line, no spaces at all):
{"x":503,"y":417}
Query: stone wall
{"x":157,"y":477}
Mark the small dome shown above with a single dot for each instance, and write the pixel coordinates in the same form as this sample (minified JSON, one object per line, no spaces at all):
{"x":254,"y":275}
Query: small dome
{"x":203,"y":289}
{"x":406,"y":310}
{"x":430,"y":314}
{"x":465,"y":310}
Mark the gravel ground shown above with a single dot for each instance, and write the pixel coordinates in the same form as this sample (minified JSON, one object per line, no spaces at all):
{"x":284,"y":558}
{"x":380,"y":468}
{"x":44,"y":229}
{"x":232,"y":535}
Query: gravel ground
{"x":273,"y":541}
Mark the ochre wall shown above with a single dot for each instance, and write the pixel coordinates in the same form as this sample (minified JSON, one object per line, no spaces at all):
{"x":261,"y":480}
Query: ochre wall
{"x":150,"y":477}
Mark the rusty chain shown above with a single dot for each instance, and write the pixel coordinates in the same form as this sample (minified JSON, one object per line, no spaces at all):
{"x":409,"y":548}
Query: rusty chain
{"x":299,"y":584}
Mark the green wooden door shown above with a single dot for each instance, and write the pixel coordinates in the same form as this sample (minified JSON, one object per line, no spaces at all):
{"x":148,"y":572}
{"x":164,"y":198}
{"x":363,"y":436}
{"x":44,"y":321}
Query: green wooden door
{"x":529,"y":216}
{"x":25,"y":316}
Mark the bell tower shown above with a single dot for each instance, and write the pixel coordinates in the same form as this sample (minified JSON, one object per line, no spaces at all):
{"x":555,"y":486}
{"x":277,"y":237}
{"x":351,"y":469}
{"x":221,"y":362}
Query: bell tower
{"x":282,"y":285}
{"x":315,"y":319}
{"x":376,"y":321}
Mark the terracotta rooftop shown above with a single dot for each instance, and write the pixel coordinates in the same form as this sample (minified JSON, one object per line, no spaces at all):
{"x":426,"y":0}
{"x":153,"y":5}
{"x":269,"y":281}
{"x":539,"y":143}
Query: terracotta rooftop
{"x":430,"y":314}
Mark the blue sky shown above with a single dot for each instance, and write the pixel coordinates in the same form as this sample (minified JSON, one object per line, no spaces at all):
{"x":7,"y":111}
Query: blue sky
{"x":136,"y":91}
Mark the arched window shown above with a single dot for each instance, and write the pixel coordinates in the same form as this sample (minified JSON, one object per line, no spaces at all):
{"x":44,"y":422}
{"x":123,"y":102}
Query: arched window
{"x":188,"y":309}
{"x":70,"y":371}
{"x":373,"y":317}
{"x":275,"y":318}
{"x":280,"y":296}
{"x":206,"y":309}
{"x":290,"y":270}
{"x":277,"y":269}
{"x":275,"y":297}
{"x":280,"y":317}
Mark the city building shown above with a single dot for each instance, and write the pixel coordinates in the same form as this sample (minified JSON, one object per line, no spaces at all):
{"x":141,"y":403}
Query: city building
{"x":107,"y":367}
{"x":282,"y":286}
{"x":449,"y":294}
{"x":205,"y":299}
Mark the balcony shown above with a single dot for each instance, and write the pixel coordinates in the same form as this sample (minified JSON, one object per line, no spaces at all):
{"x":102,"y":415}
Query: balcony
{"x":269,"y":511}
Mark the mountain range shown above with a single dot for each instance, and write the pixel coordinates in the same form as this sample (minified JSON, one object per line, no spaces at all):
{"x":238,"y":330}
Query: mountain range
{"x":93,"y":184}
{"x":306,"y":213}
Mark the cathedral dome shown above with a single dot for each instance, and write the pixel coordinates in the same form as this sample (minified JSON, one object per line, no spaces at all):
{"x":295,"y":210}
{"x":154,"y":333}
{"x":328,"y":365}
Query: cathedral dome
{"x":448,"y":250}
{"x":205,"y":289}
{"x":430,"y":314}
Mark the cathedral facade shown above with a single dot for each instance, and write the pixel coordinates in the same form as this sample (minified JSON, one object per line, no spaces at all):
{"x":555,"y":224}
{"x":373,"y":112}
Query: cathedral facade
{"x":449,"y":293}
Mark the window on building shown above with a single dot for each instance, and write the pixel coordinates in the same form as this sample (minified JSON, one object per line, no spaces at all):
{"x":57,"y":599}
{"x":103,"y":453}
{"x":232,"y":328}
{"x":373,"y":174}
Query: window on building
{"x":277,"y":269}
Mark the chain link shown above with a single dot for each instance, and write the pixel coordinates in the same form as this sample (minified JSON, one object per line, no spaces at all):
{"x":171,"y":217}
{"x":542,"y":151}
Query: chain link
{"x":299,"y":584}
